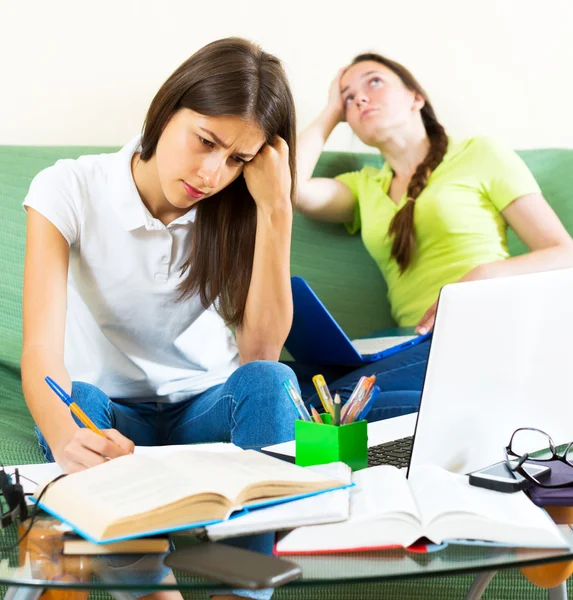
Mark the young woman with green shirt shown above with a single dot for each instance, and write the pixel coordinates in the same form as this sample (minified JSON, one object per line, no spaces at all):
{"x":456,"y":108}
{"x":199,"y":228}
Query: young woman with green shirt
{"x":436,"y":213}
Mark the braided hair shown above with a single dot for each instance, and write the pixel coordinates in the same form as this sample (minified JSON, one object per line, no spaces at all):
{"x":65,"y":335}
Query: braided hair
{"x":402,"y":225}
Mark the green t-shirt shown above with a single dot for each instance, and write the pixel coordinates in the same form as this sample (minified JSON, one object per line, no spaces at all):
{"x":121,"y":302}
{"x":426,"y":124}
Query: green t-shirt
{"x":457,"y":219}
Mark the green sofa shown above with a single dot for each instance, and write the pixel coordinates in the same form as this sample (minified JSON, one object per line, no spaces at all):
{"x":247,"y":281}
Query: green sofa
{"x":335,"y":264}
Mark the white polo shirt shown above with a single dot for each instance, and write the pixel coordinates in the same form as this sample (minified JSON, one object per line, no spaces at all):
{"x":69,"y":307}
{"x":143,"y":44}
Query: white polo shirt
{"x":125,"y":331}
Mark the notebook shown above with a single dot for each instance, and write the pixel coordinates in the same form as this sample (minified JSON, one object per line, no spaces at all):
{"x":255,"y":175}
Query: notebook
{"x":137,"y":495}
{"x":388,"y":510}
{"x":316,"y":338}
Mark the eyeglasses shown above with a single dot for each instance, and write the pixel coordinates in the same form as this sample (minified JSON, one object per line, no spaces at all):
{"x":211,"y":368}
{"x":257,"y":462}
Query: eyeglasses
{"x":529,"y":443}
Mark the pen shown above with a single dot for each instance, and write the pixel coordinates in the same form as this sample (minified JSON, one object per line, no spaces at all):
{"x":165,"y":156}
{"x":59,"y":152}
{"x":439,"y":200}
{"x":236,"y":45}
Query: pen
{"x":364,"y":411}
{"x":358,"y":400}
{"x":350,"y":400}
{"x":76,"y":410}
{"x":323,"y":393}
{"x":362,"y":401}
{"x":297,"y":400}
{"x":336,"y":410}
{"x":315,"y":414}
{"x":357,"y":395}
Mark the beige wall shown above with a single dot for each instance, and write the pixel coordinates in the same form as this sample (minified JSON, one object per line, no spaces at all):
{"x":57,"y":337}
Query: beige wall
{"x":78,"y":72}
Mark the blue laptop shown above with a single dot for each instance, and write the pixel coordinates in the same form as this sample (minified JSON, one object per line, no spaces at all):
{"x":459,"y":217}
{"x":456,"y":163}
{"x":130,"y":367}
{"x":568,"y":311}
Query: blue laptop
{"x":316,"y":338}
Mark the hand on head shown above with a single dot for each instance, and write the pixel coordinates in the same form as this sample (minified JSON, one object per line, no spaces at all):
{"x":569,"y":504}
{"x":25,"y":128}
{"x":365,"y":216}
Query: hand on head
{"x":335,"y":103}
{"x":268,"y":175}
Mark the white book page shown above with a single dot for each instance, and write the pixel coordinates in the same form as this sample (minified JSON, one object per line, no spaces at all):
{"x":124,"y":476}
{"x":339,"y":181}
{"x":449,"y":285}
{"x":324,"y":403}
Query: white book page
{"x":382,"y":513}
{"x":366,"y":346}
{"x":442,"y":495}
{"x":159,"y":451}
{"x":122,"y":487}
{"x":329,"y":507}
{"x":38,"y":474}
{"x":382,"y":491}
{"x":229,"y":474}
{"x":438,"y":492}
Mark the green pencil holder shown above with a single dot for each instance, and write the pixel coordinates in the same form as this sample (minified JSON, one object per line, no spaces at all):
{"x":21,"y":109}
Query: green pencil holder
{"x":321,"y":443}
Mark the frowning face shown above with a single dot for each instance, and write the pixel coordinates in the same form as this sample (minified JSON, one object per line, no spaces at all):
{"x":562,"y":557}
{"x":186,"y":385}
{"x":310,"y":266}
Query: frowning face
{"x":198,"y":156}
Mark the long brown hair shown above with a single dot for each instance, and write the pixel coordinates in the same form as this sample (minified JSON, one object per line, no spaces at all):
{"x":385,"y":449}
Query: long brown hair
{"x":402,"y":225}
{"x":230,"y":76}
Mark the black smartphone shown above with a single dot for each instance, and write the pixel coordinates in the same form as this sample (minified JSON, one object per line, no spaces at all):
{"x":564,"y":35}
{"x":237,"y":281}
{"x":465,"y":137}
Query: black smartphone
{"x":499,"y":478}
{"x":233,"y":566}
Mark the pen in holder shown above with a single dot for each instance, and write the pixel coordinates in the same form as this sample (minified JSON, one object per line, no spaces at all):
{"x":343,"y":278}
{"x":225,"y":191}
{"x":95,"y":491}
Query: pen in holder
{"x":321,"y":443}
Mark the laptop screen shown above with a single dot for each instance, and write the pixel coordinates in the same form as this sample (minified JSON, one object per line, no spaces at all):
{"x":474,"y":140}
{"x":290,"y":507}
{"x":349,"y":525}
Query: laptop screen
{"x":501,"y":358}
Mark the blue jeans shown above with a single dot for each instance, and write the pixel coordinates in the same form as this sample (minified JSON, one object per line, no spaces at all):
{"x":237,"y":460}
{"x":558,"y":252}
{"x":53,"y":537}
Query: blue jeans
{"x":251,"y":410}
{"x":400,"y":378}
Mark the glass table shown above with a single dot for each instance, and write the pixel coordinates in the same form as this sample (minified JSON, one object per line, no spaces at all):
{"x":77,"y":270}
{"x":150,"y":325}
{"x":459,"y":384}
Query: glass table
{"x":38,"y":564}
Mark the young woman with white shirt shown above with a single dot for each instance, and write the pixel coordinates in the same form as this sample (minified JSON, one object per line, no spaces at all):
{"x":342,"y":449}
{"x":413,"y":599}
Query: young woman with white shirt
{"x":138,"y":263}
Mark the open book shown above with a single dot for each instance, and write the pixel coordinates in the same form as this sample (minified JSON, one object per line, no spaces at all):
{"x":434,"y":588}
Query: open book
{"x":137,"y":495}
{"x":321,"y":508}
{"x":386,"y":509}
{"x":32,"y":475}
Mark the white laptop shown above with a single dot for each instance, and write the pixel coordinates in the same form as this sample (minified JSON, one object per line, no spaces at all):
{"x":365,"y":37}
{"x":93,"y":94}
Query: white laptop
{"x":501,"y":357}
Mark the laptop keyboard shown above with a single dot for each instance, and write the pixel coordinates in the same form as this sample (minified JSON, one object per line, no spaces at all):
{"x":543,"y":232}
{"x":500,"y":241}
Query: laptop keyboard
{"x":396,"y":453}
{"x":368,"y":346}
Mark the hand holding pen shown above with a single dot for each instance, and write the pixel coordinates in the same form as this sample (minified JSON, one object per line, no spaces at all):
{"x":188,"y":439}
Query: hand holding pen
{"x":89,"y":446}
